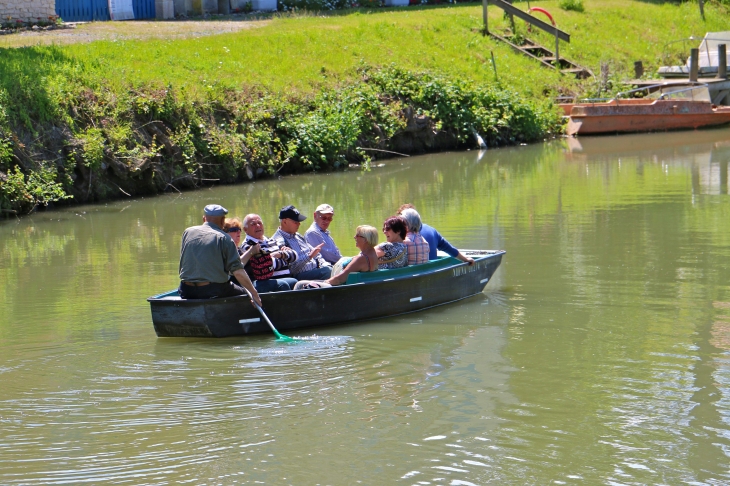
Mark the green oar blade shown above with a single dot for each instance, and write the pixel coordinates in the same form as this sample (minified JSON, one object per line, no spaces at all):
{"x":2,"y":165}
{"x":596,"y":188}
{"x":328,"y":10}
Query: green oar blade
{"x":285,"y":339}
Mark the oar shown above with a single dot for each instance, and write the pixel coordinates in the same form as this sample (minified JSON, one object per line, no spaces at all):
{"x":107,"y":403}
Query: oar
{"x":279,"y":336}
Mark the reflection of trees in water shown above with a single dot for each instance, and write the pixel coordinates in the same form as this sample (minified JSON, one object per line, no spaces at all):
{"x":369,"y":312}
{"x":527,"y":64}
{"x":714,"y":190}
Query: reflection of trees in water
{"x":721,"y":327}
{"x":615,"y":238}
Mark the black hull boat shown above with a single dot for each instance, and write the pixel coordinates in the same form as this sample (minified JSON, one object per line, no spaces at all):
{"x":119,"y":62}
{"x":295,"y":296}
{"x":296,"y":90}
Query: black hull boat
{"x":365,"y":296}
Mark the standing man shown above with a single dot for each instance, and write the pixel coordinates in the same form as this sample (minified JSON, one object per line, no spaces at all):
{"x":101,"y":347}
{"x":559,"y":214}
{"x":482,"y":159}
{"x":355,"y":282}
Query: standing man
{"x":207,"y":257}
{"x":309,"y":264}
{"x":318,"y":233}
{"x":436,"y":241}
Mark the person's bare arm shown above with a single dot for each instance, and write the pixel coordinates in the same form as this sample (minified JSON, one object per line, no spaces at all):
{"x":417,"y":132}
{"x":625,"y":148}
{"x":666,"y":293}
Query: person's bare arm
{"x":379,"y":251}
{"x":252,"y":251}
{"x":465,"y":259}
{"x":243,"y":279}
{"x":358,"y":264}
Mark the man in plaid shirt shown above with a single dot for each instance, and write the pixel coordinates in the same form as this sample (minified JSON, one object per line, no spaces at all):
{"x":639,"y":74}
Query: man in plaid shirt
{"x":416,"y":244}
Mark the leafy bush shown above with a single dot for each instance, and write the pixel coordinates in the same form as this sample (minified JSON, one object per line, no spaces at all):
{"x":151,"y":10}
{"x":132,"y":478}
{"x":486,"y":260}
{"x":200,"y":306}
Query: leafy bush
{"x":575,"y":5}
{"x":149,"y":138}
{"x":92,"y":141}
{"x":19,"y":193}
{"x":460,"y":108}
{"x":315,"y":5}
{"x":370,"y":3}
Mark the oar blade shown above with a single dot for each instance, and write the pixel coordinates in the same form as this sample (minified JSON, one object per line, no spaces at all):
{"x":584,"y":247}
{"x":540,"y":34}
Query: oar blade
{"x":284,"y":339}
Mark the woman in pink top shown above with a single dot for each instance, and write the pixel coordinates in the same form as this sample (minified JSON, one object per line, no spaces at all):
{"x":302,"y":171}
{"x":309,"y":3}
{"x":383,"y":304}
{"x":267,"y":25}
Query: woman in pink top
{"x":416,"y":244}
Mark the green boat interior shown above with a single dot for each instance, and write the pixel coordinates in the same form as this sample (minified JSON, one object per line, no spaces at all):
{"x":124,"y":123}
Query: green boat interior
{"x":407,"y":271}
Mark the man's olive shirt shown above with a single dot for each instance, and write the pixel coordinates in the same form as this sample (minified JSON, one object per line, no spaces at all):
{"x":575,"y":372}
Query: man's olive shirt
{"x":208,"y":254}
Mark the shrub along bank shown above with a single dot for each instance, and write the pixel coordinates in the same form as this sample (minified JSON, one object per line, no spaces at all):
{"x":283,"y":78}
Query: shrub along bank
{"x":102,"y":144}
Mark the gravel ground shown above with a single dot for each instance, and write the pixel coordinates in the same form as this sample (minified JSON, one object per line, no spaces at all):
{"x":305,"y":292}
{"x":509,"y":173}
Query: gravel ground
{"x":137,"y":29}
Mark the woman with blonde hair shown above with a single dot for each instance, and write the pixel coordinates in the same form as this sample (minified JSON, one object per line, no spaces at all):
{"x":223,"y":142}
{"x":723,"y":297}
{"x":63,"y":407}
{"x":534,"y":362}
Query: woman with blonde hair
{"x":366,"y":237}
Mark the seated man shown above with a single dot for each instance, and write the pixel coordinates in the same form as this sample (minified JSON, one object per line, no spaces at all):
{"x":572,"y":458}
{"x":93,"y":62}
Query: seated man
{"x":318,"y":233}
{"x":436,"y":241}
{"x":207,"y":257}
{"x":269,"y":268}
{"x":309,"y":264}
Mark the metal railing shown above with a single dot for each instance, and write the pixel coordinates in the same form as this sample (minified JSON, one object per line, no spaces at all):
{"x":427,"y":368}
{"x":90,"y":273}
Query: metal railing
{"x":655,"y":87}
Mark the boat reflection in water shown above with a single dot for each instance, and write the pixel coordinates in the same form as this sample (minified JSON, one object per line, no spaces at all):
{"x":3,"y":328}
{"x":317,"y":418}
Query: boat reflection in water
{"x":706,"y":157}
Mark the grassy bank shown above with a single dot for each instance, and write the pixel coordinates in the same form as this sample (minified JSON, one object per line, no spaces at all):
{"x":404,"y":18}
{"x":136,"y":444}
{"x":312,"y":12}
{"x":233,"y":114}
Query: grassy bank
{"x":301,"y":92}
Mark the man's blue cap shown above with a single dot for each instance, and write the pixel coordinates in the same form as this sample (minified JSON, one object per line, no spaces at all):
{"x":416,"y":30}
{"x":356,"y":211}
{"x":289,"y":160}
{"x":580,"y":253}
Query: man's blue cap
{"x":215,"y":210}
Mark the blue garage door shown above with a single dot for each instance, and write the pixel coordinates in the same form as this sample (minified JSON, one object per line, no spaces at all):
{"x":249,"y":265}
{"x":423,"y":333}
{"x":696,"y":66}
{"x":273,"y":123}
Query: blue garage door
{"x":82,"y":10}
{"x":86,"y":10}
{"x":144,"y":9}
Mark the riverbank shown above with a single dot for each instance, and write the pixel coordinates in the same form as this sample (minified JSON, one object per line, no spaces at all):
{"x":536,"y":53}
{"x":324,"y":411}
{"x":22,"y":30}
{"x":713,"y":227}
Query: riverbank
{"x":120,"y":118}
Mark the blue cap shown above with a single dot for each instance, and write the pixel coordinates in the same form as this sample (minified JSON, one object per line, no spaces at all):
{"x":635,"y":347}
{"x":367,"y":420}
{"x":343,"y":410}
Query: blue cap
{"x":215,"y":210}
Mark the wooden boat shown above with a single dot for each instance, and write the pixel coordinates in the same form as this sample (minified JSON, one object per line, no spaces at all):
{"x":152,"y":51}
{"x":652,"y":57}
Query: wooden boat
{"x":365,"y":296}
{"x":668,"y":111}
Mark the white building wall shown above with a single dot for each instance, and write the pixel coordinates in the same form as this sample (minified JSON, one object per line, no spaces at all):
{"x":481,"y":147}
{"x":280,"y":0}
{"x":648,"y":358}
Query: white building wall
{"x":28,"y":10}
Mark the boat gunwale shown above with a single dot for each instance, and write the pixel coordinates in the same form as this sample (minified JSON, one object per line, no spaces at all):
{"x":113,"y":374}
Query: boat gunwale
{"x":159,"y":299}
{"x":621,"y":96}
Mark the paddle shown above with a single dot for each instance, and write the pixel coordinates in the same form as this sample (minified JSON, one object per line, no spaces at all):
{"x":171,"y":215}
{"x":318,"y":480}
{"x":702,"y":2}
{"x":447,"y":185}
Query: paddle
{"x":279,"y":336}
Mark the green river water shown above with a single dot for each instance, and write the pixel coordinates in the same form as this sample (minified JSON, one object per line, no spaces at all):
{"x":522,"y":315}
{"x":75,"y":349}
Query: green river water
{"x":598,"y":354}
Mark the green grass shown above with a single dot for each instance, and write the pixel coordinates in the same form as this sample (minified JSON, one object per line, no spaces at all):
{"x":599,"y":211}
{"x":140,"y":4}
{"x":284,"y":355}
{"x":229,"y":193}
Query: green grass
{"x":302,"y":54}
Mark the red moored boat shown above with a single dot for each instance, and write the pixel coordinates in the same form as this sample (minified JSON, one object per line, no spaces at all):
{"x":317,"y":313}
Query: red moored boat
{"x":669,"y":108}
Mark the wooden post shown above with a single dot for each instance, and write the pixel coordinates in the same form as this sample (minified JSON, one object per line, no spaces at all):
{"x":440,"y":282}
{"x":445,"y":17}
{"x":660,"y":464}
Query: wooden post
{"x":484,"y":15}
{"x":702,"y":9}
{"x":721,"y":61}
{"x":694,"y":63}
{"x":511,"y":19}
{"x":557,"y":51}
{"x":638,"y":69}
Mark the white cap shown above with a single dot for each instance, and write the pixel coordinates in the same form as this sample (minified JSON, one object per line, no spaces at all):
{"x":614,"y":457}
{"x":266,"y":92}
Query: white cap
{"x":324,"y":209}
